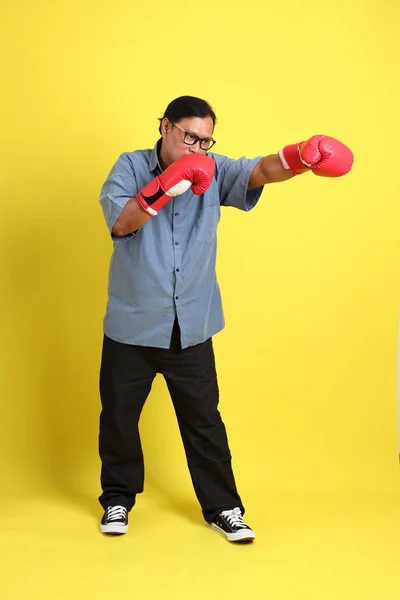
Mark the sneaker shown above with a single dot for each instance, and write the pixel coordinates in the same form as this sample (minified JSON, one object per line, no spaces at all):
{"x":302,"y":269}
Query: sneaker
{"x":115,"y":520}
{"x":231,"y":524}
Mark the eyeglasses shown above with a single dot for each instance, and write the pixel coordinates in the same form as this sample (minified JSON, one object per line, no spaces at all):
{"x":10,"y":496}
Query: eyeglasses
{"x":191,"y":139}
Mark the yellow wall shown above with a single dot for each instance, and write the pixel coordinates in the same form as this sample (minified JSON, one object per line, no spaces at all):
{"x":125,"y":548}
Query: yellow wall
{"x":310,"y":278}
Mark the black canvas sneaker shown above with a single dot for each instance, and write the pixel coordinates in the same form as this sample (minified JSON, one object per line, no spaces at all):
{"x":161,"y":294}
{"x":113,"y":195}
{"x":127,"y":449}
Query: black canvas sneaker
{"x":231,"y":524}
{"x":115,"y":520}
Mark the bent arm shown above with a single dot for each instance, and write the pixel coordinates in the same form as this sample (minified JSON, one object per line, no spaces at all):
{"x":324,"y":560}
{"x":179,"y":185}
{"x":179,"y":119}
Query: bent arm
{"x":132,"y":218}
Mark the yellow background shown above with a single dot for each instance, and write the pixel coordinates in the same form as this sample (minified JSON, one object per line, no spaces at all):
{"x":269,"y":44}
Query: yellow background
{"x":310,"y":283}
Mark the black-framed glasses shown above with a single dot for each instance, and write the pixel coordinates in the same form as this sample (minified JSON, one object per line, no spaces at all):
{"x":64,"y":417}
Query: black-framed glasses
{"x":191,"y":139}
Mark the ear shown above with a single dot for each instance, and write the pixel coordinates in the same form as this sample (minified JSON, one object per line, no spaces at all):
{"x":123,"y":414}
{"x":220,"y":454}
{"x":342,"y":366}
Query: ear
{"x":165,"y":127}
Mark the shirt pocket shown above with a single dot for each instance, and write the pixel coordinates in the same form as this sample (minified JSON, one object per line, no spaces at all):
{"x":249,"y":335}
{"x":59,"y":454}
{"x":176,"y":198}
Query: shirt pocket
{"x":205,"y":227}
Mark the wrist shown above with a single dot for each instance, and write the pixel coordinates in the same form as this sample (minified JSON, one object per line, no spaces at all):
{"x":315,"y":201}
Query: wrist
{"x":144,"y":204}
{"x":291,"y":159}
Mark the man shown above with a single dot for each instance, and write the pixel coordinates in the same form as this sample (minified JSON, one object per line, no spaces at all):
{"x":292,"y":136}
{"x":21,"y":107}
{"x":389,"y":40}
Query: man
{"x":162,"y":207}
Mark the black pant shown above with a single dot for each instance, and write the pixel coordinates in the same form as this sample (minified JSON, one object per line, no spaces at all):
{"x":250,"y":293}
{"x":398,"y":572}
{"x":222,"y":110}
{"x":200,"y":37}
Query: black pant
{"x":126,"y":376}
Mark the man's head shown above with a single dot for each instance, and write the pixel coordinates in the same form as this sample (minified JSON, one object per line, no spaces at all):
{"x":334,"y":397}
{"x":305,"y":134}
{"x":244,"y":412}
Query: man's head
{"x":186,"y":127}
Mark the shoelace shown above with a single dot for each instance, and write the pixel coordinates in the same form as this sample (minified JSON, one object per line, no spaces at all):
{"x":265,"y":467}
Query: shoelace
{"x":234,"y":517}
{"x":116,"y":513}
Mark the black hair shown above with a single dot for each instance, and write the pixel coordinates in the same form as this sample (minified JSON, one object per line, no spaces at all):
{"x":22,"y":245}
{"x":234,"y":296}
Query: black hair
{"x":188,"y":106}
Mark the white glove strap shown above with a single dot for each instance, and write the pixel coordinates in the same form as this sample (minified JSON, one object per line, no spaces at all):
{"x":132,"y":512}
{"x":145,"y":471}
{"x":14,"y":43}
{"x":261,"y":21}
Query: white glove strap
{"x":179,"y":188}
{"x":283,"y":160}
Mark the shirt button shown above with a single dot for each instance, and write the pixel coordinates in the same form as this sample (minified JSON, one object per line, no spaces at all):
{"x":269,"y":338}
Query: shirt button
{"x":176,"y":297}
{"x":176,"y":243}
{"x":177,"y":270}
{"x":176,"y":214}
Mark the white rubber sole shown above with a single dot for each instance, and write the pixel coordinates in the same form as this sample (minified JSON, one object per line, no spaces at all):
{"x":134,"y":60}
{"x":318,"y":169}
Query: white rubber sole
{"x":115,"y":529}
{"x":242,"y":535}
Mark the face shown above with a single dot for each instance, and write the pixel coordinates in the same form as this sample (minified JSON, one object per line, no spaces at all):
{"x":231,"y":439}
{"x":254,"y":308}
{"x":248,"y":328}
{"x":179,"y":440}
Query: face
{"x":173,"y":146}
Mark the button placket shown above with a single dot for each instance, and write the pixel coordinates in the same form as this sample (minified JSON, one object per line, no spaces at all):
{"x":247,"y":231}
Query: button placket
{"x":177,"y":253}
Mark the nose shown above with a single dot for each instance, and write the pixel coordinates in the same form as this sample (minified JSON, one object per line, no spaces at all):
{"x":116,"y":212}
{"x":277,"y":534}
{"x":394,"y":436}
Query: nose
{"x":196,"y":148}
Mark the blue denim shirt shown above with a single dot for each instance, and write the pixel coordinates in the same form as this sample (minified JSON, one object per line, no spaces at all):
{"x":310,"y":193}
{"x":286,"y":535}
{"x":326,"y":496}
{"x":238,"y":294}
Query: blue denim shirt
{"x":167,"y":268}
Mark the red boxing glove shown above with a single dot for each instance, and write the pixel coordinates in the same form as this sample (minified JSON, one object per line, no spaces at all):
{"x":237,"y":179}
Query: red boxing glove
{"x":324,"y":155}
{"x":192,"y":170}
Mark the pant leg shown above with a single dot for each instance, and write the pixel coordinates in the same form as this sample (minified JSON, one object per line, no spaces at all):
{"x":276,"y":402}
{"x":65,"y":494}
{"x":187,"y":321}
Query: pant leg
{"x":192,"y":382}
{"x":126,"y":377}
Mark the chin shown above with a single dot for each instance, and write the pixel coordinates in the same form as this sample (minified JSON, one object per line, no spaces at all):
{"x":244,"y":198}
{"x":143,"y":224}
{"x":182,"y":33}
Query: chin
{"x":180,"y":155}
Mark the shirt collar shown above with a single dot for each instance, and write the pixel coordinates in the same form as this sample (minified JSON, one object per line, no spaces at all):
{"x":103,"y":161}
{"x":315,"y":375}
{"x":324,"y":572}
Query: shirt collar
{"x":154,"y":161}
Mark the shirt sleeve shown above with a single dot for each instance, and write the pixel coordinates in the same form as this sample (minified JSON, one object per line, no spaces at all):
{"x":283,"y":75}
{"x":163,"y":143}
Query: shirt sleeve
{"x":119,"y":187}
{"x":233,"y":178}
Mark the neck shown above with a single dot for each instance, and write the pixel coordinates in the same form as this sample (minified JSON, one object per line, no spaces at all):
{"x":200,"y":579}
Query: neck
{"x":163,"y":159}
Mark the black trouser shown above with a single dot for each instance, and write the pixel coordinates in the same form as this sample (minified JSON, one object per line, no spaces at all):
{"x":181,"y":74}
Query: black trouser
{"x":126,"y":376}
